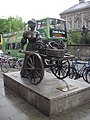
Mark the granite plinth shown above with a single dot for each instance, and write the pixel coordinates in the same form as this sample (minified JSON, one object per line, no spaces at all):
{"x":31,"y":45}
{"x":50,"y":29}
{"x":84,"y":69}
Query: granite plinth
{"x":52,"y":96}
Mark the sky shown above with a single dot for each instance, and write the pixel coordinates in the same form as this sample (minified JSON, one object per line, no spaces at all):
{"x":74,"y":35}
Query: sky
{"x":37,"y":9}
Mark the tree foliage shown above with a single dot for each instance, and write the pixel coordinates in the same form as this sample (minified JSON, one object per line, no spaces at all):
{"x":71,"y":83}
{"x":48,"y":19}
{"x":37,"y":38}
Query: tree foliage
{"x":88,"y":39}
{"x":78,"y":38}
{"x":11,"y":24}
{"x":74,"y":37}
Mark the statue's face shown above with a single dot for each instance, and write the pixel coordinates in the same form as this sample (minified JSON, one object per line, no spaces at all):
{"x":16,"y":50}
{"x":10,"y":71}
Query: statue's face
{"x":32,"y":25}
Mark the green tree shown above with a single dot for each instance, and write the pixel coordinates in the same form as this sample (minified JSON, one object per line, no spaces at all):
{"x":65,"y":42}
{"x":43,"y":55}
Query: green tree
{"x":4,"y":25}
{"x":88,"y":39}
{"x":74,"y":37}
{"x":11,"y":24}
{"x":15,"y":24}
{"x":85,"y":36}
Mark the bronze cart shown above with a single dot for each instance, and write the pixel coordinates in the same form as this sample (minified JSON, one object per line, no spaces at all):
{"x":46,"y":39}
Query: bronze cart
{"x":54,"y":59}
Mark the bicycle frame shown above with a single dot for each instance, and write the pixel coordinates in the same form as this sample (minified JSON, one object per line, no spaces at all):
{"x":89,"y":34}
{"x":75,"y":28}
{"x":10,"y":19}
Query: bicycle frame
{"x":80,"y":66}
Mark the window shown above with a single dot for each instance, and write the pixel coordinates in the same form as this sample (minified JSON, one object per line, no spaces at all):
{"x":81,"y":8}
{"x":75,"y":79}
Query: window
{"x":52,"y":23}
{"x":57,"y":24}
{"x":41,"y":24}
{"x":8,"y":46}
{"x":13,"y":45}
{"x":17,"y":45}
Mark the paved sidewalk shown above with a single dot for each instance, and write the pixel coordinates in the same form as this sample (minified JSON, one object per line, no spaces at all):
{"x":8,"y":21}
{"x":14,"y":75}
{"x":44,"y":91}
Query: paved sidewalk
{"x":12,"y":107}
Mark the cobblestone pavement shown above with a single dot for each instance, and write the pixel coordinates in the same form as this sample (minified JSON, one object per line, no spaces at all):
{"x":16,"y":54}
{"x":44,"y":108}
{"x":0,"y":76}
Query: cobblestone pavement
{"x":12,"y":107}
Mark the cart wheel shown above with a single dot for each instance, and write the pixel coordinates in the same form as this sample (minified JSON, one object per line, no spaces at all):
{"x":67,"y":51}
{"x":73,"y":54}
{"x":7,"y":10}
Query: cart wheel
{"x":60,"y":68}
{"x":34,"y":68}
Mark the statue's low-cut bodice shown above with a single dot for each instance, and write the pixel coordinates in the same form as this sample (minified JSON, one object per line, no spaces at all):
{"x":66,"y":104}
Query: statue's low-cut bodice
{"x":31,"y":36}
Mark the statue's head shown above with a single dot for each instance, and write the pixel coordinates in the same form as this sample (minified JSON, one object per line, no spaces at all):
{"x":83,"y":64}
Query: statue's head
{"x":32,"y":23}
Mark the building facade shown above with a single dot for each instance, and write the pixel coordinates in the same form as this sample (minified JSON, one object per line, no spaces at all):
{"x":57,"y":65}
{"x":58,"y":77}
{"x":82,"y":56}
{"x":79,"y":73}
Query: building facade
{"x":77,"y":16}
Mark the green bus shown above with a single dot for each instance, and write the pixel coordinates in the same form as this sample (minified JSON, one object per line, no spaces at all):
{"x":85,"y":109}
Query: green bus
{"x":51,"y":29}
{"x":11,"y":44}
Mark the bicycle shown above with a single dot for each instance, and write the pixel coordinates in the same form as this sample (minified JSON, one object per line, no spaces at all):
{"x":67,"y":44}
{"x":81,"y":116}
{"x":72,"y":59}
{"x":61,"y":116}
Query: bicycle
{"x":86,"y":74}
{"x":8,"y":62}
{"x":80,"y":68}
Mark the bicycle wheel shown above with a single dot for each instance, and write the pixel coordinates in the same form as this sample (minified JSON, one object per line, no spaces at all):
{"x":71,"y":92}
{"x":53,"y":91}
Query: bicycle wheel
{"x":19,"y":64}
{"x":84,"y":73}
{"x":4,"y":67}
{"x":88,"y":76}
{"x":73,"y":72}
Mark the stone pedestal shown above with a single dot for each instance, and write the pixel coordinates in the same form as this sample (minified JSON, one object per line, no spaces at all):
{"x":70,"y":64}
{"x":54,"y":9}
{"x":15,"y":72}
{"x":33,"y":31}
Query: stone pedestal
{"x":52,"y":96}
